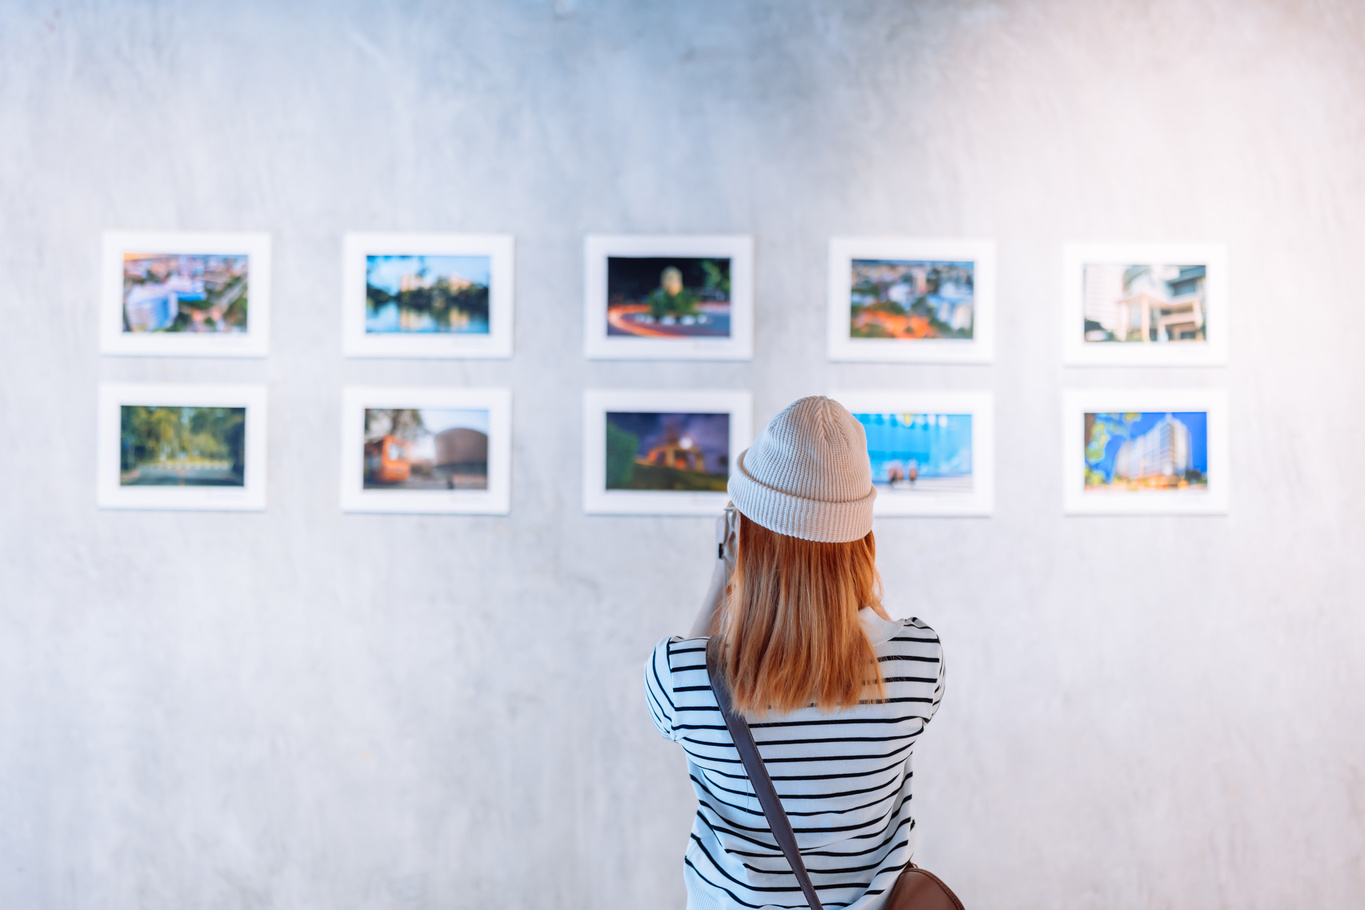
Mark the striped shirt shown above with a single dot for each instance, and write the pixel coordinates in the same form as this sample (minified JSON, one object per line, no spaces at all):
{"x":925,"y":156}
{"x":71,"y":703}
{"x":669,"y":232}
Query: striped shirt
{"x":843,"y":777}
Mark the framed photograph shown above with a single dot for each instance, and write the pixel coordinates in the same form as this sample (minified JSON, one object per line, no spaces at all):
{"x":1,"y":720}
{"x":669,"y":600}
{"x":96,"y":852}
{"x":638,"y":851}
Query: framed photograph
{"x":164,"y":446}
{"x":900,"y":299}
{"x":427,"y":450}
{"x":427,"y":295}
{"x":185,"y":294}
{"x":1145,"y":304}
{"x":932,"y":453}
{"x":1146,"y":452}
{"x":669,"y":298}
{"x":661,"y":452}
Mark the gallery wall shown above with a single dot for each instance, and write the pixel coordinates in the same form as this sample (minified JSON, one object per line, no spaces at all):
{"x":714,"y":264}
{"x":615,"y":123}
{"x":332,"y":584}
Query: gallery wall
{"x":308,"y":709}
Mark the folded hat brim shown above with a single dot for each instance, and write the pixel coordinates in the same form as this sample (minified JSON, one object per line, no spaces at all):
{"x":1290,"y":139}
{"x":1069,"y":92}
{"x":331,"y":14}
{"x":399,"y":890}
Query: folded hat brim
{"x":797,"y":516}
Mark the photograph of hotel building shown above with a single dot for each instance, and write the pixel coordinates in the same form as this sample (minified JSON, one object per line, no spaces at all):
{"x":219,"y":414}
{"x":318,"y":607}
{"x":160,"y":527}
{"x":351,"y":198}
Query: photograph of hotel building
{"x":1144,"y":303}
{"x":1146,"y":450}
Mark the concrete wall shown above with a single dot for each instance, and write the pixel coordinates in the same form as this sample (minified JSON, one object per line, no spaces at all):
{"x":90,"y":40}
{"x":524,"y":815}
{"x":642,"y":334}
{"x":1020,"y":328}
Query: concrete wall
{"x":299,"y":709}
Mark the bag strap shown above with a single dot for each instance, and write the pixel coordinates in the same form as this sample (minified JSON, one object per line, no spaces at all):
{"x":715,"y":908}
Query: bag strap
{"x":758,"y":774}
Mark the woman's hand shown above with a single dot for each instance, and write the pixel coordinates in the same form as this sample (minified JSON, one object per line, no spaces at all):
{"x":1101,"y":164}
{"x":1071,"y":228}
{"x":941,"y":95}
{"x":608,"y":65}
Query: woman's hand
{"x":727,"y":545}
{"x":727,"y":538}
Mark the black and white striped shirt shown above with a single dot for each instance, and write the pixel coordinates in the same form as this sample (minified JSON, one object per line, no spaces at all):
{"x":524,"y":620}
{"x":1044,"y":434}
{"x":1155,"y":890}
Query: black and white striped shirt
{"x":843,"y":777}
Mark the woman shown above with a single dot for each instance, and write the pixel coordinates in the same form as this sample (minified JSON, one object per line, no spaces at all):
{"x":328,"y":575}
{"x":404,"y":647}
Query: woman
{"x":835,"y":691}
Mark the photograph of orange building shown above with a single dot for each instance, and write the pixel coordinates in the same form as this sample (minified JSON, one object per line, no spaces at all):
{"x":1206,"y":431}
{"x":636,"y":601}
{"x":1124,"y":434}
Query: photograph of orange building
{"x":426,"y":449}
{"x":667,"y":451}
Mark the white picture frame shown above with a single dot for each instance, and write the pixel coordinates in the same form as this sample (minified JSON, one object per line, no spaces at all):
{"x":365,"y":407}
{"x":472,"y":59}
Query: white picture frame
{"x":359,"y":341}
{"x":933,"y":495}
{"x":113,"y":493}
{"x":598,"y":403}
{"x":1099,"y":307}
{"x":495,"y":499}
{"x":600,"y":344}
{"x":842,"y":346}
{"x":119,"y":338}
{"x":1150,"y":447}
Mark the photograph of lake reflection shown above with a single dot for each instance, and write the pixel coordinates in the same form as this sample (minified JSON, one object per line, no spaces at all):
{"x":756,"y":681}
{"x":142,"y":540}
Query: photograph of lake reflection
{"x":919,"y":453}
{"x":426,"y":294}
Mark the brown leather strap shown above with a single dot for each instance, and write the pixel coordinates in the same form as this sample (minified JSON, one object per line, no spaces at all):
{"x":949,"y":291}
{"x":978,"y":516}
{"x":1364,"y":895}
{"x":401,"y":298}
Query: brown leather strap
{"x":758,"y":774}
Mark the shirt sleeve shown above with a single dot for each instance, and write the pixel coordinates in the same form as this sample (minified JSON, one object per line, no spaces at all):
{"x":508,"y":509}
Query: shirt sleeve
{"x":938,"y":684}
{"x":659,"y":689}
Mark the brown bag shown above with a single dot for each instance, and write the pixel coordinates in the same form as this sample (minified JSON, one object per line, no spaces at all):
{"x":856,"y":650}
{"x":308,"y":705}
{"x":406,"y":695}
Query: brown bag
{"x":915,"y":888}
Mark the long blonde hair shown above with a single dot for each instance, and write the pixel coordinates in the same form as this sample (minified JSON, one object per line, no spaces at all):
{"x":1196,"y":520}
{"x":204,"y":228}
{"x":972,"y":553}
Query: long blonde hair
{"x":790,"y":625}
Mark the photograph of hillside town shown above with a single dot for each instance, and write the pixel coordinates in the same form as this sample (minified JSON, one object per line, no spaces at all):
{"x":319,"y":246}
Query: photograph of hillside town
{"x":169,"y":292}
{"x":1146,"y":450}
{"x":912,"y":299}
{"x":665,"y":451}
{"x":1144,"y":303}
{"x":426,"y":294}
{"x":426,"y":449}
{"x":668,"y":297}
{"x":919,"y":453}
{"x":182,"y":446}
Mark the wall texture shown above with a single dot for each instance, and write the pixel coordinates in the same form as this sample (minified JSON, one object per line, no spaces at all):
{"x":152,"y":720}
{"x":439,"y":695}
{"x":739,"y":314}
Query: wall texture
{"x":300,"y":709}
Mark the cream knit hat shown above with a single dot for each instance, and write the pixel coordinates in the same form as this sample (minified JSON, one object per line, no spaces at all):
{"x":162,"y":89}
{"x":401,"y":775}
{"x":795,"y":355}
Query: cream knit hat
{"x":807,"y":474}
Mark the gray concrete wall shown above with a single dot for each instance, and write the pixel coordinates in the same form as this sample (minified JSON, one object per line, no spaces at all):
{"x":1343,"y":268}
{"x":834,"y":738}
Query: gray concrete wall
{"x":300,"y":709}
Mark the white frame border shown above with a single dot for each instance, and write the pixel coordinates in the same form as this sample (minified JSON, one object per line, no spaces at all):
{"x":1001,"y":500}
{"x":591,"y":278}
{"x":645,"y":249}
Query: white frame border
{"x":356,"y":247}
{"x":981,"y":406}
{"x":496,"y":500}
{"x":842,"y":252}
{"x":1214,"y":402}
{"x":1076,"y":351}
{"x":738,"y":248}
{"x":597,"y":500}
{"x":111,"y":495}
{"x":254,"y":342}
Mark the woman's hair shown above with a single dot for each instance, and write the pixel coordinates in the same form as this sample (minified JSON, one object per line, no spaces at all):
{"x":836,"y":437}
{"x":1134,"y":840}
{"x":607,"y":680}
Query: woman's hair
{"x":790,"y":623}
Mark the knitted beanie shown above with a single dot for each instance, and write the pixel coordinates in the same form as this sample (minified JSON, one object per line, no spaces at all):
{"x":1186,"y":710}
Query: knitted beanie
{"x":807,"y":474}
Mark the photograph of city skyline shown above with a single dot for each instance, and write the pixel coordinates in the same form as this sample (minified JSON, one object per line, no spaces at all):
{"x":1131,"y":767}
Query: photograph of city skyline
{"x":184,"y":292}
{"x":687,"y":452}
{"x":423,"y":294}
{"x":1144,"y":303}
{"x":426,"y":449}
{"x":919,"y":453}
{"x":182,"y":446}
{"x":1146,"y":450}
{"x":668,"y":297}
{"x":911,"y":299}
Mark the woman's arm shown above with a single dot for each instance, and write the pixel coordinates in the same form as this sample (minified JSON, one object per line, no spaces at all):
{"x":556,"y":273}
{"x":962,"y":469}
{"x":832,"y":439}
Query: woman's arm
{"x":727,"y":538}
